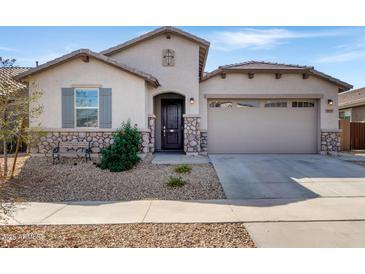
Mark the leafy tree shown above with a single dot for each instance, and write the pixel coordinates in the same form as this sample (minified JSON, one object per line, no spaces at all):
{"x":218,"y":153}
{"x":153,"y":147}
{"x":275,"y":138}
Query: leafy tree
{"x":123,"y":153}
{"x":17,"y":108}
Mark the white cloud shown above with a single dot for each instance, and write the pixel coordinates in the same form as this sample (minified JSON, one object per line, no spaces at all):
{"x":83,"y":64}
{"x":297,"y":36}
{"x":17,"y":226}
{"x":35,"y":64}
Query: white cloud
{"x":30,"y":61}
{"x":342,"y":57}
{"x":8,"y":49}
{"x":261,"y":38}
{"x":346,"y":53}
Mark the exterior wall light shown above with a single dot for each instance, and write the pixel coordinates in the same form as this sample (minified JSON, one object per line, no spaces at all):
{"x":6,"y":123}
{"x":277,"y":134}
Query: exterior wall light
{"x":192,"y":100}
{"x":330,"y":102}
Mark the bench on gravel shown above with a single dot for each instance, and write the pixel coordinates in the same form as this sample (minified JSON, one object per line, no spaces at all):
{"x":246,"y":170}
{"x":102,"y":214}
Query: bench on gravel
{"x":72,"y":148}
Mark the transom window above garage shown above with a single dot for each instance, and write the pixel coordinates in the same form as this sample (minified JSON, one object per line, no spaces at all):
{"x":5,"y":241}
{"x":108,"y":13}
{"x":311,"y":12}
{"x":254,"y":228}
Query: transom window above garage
{"x":220,"y":104}
{"x":276,"y":104}
{"x":302,"y":104}
{"x":248,"y":104}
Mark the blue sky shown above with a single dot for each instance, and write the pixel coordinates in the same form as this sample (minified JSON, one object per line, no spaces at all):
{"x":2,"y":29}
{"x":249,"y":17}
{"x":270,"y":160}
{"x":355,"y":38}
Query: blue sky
{"x":338,"y":51}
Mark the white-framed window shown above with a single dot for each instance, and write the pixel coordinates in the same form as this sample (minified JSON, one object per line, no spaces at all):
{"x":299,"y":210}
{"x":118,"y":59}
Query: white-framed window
{"x":86,"y":107}
{"x":302,"y":104}
{"x":276,"y":104}
{"x":248,"y":104}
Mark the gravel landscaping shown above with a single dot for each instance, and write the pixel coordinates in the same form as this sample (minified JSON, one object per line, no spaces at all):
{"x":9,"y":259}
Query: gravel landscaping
{"x":226,"y":235}
{"x":38,"y":180}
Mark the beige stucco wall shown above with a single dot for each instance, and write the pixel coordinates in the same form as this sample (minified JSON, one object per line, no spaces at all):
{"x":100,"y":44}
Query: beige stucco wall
{"x":128,"y":91}
{"x":265,"y":83}
{"x":358,"y":114}
{"x":182,"y":78}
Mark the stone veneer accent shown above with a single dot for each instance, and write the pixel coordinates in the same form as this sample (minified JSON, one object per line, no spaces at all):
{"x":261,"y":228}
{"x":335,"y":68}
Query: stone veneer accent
{"x":151,"y":127}
{"x":330,"y":141}
{"x":204,"y":142}
{"x":99,"y":139}
{"x":191,"y":134}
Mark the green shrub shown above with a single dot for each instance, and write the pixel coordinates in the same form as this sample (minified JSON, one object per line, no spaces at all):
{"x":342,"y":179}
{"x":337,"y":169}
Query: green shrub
{"x":123,"y":153}
{"x":175,"y":181}
{"x":183,"y":168}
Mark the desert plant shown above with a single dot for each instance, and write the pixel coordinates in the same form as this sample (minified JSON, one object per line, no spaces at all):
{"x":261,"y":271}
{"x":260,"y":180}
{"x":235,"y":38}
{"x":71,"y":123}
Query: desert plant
{"x":175,"y":181}
{"x":17,"y":107}
{"x":183,"y":168}
{"x":123,"y":153}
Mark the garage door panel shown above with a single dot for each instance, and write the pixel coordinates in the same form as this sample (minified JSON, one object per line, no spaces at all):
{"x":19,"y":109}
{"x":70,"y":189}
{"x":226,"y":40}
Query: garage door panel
{"x":262,"y":130}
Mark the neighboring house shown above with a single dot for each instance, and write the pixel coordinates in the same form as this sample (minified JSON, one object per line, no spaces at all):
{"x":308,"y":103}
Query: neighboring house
{"x":157,"y":80}
{"x":351,"y":105}
{"x":8,"y":83}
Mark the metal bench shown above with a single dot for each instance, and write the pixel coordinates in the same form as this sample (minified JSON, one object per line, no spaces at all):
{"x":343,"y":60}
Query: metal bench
{"x":72,"y":148}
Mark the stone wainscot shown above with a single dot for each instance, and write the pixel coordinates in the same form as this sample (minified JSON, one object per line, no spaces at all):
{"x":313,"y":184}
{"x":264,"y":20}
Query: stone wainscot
{"x":330,"y":141}
{"x":191,"y":134}
{"x":98,"y":138}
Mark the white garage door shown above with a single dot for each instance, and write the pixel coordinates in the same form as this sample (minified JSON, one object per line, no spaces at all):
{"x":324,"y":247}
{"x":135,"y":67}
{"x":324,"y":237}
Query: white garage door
{"x":262,"y":126}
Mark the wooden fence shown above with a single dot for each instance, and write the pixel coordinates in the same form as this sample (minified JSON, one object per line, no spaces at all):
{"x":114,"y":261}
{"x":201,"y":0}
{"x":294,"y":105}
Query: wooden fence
{"x":357,"y":135}
{"x":352,"y":136}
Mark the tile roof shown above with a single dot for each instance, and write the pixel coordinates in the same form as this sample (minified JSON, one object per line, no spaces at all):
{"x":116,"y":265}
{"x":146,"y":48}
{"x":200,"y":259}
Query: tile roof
{"x":203,"y":50}
{"x":352,"y":98}
{"x":7,"y":75}
{"x":86,"y":52}
{"x":264,"y":65}
{"x":261,"y":66}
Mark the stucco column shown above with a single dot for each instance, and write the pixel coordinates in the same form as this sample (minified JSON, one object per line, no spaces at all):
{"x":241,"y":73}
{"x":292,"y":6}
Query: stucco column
{"x":151,"y":127}
{"x":330,"y":141}
{"x":191,"y":134}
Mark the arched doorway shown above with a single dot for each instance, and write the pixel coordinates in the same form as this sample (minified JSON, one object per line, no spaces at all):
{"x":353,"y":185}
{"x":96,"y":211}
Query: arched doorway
{"x":169,"y":130}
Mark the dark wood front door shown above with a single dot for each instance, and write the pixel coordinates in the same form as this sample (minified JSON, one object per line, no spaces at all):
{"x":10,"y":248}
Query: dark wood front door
{"x":172,"y":124}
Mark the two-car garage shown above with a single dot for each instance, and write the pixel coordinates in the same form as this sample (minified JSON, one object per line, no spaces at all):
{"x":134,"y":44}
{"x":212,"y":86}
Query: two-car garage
{"x":263,"y":126}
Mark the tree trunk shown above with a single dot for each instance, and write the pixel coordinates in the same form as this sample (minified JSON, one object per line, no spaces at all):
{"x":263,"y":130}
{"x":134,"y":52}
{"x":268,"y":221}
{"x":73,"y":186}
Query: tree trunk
{"x":15,"y":157}
{"x":17,"y":150}
{"x":5,"y":159}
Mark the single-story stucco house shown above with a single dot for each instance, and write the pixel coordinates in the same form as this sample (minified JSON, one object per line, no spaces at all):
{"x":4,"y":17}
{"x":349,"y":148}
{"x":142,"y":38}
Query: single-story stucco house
{"x":351,"y":105}
{"x":157,"y":80}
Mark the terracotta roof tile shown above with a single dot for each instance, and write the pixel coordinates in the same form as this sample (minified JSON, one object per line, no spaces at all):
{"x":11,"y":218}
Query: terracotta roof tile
{"x":203,"y":50}
{"x":86,"y":52}
{"x":261,"y":66}
{"x":7,"y":75}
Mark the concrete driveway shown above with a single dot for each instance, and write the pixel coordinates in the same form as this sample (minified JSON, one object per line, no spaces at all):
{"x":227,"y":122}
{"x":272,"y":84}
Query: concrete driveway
{"x":301,"y":176}
{"x":282,"y":184}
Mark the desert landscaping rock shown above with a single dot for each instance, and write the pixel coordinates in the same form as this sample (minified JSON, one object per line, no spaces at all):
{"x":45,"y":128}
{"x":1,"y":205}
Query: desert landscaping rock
{"x":76,"y":180}
{"x":226,"y":235}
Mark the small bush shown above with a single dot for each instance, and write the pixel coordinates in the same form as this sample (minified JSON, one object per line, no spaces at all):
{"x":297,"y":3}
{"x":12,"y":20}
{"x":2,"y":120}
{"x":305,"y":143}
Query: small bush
{"x":175,"y":181}
{"x":123,"y":153}
{"x":183,"y":168}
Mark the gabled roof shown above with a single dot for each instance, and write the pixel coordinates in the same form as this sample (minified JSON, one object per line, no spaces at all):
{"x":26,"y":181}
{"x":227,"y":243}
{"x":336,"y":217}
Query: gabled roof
{"x":203,"y":49}
{"x":7,"y":78}
{"x":352,"y":98}
{"x":260,"y":66}
{"x":88,"y":53}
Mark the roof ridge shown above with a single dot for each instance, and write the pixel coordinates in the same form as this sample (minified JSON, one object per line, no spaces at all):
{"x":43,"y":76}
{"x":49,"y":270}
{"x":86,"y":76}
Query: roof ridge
{"x":96,"y":55}
{"x":151,"y":33}
{"x":353,"y":90}
{"x":264,"y":62}
{"x":16,"y":67}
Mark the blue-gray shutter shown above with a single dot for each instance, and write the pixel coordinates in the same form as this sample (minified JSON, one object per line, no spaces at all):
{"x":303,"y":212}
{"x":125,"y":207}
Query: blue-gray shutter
{"x":68,"y":108}
{"x":105,"y":108}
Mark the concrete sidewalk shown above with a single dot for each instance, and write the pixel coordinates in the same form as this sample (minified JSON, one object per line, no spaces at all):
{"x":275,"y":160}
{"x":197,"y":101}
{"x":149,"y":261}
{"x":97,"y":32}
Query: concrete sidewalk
{"x":157,"y":211}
